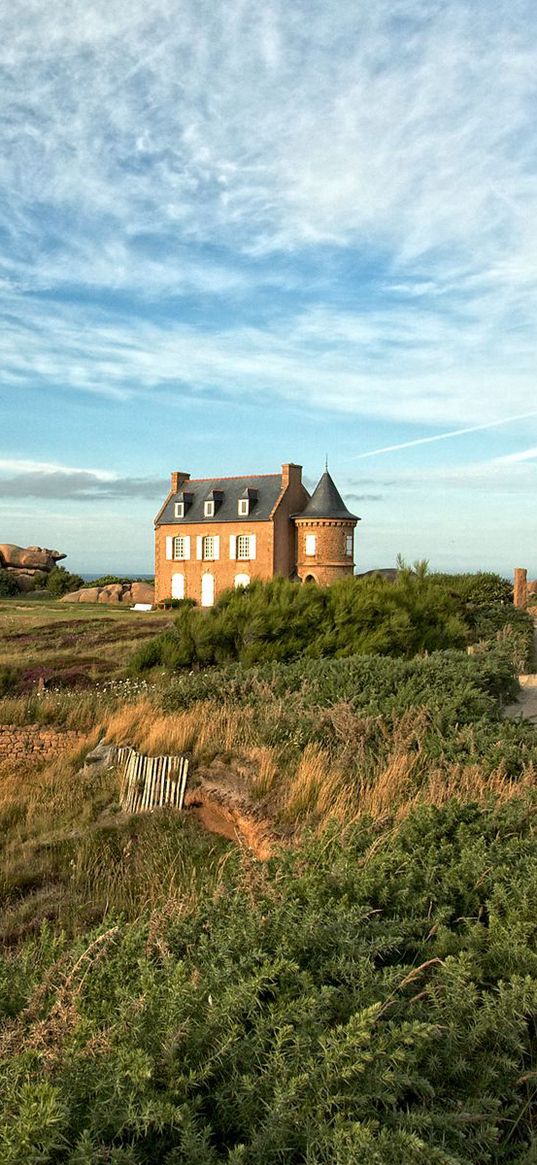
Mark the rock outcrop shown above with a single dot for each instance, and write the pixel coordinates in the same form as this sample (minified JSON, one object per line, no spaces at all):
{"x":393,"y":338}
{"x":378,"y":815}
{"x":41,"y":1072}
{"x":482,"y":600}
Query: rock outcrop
{"x":24,"y":562}
{"x":126,"y":593}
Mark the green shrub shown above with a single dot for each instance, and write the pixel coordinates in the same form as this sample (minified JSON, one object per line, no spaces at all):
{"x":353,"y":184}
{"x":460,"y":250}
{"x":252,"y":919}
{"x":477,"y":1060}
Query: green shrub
{"x":280,"y":620}
{"x":8,"y":585}
{"x":107,"y":580}
{"x":472,"y":686}
{"x":369,"y":1000}
{"x":177,"y":604}
{"x":478,"y":589}
{"x":61,"y":582}
{"x":9,"y":680}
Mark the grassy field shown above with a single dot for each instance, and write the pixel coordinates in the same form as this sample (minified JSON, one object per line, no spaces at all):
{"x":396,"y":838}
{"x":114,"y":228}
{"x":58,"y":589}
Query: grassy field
{"x":368,"y":994}
{"x":71,"y":645}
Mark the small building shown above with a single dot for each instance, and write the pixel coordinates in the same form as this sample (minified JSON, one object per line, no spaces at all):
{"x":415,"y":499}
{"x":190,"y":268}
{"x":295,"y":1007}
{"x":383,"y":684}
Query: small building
{"x":215,"y":533}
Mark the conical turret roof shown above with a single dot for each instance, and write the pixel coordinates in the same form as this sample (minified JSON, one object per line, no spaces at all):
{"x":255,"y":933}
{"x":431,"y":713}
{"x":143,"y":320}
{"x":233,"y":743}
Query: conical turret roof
{"x":326,"y":502}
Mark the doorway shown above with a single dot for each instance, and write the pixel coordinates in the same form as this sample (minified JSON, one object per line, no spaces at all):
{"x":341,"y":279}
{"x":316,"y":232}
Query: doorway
{"x":207,"y":590}
{"x":178,"y":586}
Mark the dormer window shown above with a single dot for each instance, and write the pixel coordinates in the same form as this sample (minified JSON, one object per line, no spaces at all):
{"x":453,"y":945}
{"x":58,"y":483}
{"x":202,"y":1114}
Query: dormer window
{"x":184,"y":500}
{"x":247,"y":502}
{"x":213,"y":500}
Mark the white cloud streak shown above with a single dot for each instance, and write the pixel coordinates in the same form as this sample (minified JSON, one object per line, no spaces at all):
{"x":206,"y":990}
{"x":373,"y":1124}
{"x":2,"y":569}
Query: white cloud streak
{"x":512,"y":457}
{"x":176,"y":150}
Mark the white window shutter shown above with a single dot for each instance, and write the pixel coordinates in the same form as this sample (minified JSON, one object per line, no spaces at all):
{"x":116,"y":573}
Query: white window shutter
{"x":187,"y":545}
{"x":252,"y":545}
{"x":217,"y":546}
{"x":232,"y":545}
{"x":199,"y":546}
{"x":169,"y":547}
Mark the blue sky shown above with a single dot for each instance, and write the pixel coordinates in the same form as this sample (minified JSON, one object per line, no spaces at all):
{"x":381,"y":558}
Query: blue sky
{"x":233,"y":235}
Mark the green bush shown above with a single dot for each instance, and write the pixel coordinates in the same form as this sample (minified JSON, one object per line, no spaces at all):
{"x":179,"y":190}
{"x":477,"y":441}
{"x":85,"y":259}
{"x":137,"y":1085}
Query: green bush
{"x":478,"y":589}
{"x":177,"y":604}
{"x":9,"y":680}
{"x":62,"y":582}
{"x":280,"y":620}
{"x":107,"y":579}
{"x":8,"y":585}
{"x":472,"y":686}
{"x":370,"y":1001}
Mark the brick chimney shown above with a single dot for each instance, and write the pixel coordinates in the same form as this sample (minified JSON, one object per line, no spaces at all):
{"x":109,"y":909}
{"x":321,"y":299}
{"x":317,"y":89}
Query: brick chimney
{"x":178,"y":479}
{"x":291,"y":475}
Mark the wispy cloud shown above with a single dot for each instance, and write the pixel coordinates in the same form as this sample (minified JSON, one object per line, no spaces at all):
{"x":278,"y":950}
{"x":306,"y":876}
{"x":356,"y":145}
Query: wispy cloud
{"x":382,"y":365}
{"x":131,"y":134}
{"x":25,"y":479}
{"x":331,"y":206}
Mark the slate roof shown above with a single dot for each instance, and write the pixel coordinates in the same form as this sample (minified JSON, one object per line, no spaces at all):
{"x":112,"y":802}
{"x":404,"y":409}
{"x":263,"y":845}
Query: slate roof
{"x":326,"y":502}
{"x":268,"y":487}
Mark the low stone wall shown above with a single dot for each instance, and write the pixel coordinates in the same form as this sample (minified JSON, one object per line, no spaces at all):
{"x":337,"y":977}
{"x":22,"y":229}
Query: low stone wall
{"x":33,"y":740}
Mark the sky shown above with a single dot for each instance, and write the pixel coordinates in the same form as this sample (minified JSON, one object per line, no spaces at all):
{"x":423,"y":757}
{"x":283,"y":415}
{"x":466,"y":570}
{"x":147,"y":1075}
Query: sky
{"x":235,"y":235}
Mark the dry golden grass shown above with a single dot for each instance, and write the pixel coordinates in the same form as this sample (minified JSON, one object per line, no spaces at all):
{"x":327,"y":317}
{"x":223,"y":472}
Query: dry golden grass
{"x":205,"y":731}
{"x":41,"y":793}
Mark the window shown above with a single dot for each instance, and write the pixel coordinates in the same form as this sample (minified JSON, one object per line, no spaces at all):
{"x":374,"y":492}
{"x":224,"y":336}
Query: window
{"x":243,"y":546}
{"x":178,"y":548}
{"x":311,"y":544}
{"x":179,"y":509}
{"x":242,"y":580}
{"x":348,"y":544}
{"x":244,"y":507}
{"x":210,"y":548}
{"x":208,"y":509}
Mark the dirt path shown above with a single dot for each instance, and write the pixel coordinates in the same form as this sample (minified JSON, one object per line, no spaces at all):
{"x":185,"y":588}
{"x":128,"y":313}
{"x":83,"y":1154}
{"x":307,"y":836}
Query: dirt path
{"x":526,"y":705}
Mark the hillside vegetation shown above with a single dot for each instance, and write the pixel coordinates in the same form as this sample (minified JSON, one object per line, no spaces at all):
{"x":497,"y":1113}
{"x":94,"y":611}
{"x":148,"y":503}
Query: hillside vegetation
{"x":369,"y":994}
{"x":279,"y":621}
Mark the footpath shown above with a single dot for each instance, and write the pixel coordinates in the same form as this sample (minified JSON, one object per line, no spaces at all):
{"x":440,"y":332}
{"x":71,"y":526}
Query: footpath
{"x":526,"y":705}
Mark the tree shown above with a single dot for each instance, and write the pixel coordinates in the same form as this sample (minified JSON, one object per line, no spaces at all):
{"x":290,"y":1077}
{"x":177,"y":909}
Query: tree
{"x":61,"y":582}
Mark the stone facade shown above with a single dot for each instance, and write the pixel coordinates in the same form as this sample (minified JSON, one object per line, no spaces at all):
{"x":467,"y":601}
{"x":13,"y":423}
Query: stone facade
{"x":31,"y":740}
{"x":331,"y":554}
{"x":265,"y":539}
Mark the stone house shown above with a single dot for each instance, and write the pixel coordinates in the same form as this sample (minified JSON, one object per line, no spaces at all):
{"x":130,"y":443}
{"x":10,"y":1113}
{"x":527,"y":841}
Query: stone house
{"x":214,"y":533}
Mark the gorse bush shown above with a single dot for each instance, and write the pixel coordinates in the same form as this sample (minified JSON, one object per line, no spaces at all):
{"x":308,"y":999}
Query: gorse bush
{"x":473,"y":685}
{"x":479,"y":589}
{"x":278,"y":621}
{"x":368,"y":1000}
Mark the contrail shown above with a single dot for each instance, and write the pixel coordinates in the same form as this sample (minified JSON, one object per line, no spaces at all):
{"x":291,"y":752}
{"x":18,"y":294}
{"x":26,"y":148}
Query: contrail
{"x":446,"y":436}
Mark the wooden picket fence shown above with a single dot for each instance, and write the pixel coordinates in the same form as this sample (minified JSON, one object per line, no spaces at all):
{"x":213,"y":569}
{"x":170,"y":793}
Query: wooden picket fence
{"x":151,"y":782}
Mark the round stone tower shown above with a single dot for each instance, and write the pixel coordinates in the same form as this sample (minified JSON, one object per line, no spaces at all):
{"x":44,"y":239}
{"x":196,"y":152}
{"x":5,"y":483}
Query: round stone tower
{"x":325,"y":535}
